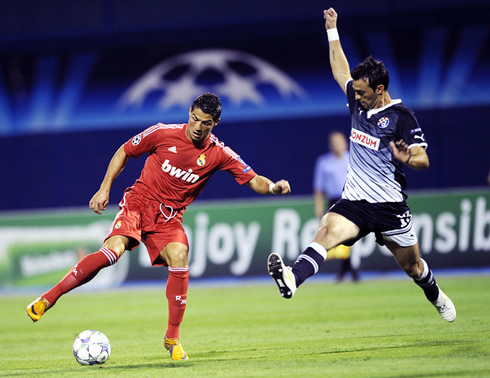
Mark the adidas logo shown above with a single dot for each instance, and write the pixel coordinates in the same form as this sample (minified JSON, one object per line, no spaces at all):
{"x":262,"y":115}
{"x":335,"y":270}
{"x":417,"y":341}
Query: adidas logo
{"x":173,"y":149}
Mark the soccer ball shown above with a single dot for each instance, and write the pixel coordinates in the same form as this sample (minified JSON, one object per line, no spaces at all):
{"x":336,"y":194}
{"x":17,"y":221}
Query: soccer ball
{"x":91,"y":347}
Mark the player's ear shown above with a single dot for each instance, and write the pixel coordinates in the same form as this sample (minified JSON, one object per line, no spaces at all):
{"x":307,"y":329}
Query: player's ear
{"x":190,"y":111}
{"x":217,"y":121}
{"x":380,"y":89}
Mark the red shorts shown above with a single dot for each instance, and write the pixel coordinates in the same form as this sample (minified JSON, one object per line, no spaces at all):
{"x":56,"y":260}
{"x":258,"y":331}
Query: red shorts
{"x":143,"y":220}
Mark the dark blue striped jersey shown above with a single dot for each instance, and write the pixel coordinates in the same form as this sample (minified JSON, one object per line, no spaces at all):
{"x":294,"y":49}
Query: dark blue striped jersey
{"x":374,"y":174}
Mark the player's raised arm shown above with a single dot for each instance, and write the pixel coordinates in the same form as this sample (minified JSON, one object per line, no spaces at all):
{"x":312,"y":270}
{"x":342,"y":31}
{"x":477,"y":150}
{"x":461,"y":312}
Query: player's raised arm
{"x":263,"y":185}
{"x":338,"y":61}
{"x":100,"y":199}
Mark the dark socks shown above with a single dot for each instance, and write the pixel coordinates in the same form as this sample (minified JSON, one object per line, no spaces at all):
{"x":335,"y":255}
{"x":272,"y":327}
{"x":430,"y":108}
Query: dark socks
{"x":308,"y":263}
{"x":428,"y":283}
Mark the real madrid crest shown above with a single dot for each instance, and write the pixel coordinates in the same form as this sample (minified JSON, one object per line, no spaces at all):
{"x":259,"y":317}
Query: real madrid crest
{"x":118,"y":225}
{"x":201,"y":160}
{"x":383,"y":122}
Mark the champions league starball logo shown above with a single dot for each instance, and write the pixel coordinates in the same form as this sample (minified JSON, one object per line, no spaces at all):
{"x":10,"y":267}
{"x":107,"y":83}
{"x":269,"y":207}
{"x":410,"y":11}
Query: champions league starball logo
{"x":233,"y":75}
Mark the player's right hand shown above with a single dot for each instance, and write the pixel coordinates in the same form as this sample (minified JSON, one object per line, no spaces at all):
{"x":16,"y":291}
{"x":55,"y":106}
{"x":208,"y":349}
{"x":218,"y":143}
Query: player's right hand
{"x":99,"y":201}
{"x":330,"y":17}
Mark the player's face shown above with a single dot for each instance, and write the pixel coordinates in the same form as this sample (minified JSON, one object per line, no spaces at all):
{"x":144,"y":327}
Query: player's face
{"x":199,"y":126}
{"x":366,"y":96}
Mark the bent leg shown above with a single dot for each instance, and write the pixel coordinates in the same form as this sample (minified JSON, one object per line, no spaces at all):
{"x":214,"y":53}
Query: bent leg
{"x":410,"y":261}
{"x":334,"y":229}
{"x":408,"y":258}
{"x":88,"y":267}
{"x":176,"y":255}
{"x":415,"y":267}
{"x":81,"y":273}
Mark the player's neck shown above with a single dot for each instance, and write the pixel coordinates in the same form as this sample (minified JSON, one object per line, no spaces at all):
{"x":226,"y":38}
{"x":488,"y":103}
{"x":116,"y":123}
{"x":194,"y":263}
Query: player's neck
{"x":382,"y":100}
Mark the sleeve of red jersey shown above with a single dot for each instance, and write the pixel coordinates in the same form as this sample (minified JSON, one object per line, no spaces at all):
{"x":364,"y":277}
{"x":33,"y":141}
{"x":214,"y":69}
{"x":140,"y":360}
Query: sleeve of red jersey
{"x":235,"y":165}
{"x":144,"y":142}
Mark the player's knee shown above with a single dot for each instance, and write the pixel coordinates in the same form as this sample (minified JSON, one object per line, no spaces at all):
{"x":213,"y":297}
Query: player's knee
{"x":177,"y":256}
{"x":412,"y":269}
{"x":116,"y":244}
{"x":322,"y":232}
{"x":329,"y":231}
{"x":328,"y":236}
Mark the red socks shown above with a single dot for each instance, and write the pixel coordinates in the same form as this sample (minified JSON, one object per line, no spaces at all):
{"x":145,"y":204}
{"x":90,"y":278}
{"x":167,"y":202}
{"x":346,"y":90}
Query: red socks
{"x":177,"y":284}
{"x":88,"y":267}
{"x":81,"y":273}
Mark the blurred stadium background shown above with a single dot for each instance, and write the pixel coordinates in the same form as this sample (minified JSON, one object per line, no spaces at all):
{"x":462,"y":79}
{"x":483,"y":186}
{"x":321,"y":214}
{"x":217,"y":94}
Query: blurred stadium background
{"x":77,"y":79}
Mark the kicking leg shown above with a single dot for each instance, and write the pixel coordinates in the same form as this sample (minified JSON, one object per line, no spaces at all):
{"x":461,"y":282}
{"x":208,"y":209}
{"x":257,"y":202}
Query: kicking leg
{"x":334,"y":229}
{"x":410,"y":261}
{"x":176,"y":256}
{"x":86,"y":269}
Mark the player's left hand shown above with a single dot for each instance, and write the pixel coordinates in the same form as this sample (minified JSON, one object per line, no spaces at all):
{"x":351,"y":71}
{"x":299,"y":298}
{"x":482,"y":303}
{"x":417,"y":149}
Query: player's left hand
{"x":282,"y":187}
{"x":401,"y":151}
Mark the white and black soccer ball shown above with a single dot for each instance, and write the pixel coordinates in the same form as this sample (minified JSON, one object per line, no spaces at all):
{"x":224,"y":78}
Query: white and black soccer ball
{"x":91,"y":347}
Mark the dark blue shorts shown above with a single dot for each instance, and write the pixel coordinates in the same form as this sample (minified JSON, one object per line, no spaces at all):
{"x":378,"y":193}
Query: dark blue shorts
{"x":388,"y":220}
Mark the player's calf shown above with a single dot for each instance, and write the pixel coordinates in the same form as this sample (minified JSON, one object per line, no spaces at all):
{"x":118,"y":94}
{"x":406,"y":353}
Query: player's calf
{"x":308,"y":263}
{"x":428,"y":283}
{"x":435,"y":295}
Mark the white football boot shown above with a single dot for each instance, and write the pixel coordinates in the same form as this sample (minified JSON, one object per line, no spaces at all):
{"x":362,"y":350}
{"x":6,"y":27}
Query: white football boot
{"x":445,"y":306}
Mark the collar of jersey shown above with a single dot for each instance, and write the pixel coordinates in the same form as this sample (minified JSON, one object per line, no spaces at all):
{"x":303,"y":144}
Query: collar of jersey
{"x":375,"y":111}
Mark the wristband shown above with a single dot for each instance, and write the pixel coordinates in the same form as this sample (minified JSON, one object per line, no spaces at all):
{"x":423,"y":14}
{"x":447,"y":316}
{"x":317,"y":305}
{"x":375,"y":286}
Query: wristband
{"x":333,"y":34}
{"x":271,"y":185}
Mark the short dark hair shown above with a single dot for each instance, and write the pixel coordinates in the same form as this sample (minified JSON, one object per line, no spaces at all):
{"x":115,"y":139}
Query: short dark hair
{"x":209,"y":103}
{"x":374,"y":71}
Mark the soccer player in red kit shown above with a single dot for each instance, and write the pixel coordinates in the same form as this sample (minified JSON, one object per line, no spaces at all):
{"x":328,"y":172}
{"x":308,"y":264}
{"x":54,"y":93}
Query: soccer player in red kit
{"x":181,"y":159}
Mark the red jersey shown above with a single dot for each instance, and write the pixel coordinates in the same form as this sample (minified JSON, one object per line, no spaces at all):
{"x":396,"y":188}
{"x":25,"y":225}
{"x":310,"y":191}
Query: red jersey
{"x":176,"y":170}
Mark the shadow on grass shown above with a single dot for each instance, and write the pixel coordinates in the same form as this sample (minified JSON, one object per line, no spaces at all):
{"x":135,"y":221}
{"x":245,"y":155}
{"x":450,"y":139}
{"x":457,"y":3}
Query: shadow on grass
{"x":400,"y":346}
{"x":452,"y":373}
{"x":94,"y":369}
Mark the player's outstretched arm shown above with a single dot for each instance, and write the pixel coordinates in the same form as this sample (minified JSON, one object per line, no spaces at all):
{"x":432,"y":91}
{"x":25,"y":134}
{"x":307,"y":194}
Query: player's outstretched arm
{"x":263,"y":185}
{"x":415,"y":157}
{"x":338,"y":61}
{"x":100,"y":199}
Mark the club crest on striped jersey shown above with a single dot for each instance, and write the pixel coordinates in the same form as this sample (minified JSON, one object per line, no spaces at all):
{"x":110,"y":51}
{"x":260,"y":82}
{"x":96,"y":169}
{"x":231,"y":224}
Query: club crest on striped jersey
{"x":118,"y":225}
{"x":364,"y":139}
{"x":201,"y":160}
{"x":383,"y":122}
{"x":136,"y":140}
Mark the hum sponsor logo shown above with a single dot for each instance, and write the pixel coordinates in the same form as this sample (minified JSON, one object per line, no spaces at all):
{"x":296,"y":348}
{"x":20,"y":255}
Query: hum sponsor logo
{"x":187,"y":176}
{"x":364,"y":139}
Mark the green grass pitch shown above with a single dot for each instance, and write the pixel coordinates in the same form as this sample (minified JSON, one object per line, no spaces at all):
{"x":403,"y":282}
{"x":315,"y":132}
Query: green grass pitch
{"x":379,"y":328}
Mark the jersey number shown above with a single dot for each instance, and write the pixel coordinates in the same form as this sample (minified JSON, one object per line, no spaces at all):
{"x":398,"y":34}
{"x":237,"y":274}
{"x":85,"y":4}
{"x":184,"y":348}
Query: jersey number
{"x":405,"y":218}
